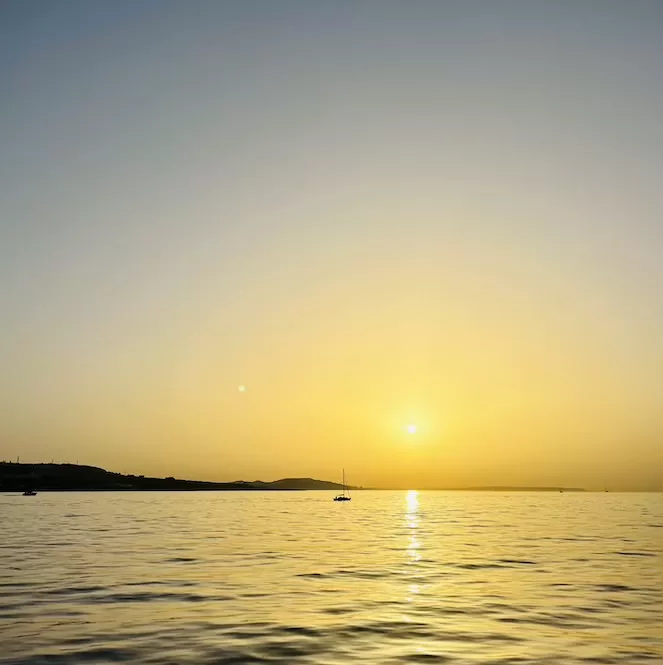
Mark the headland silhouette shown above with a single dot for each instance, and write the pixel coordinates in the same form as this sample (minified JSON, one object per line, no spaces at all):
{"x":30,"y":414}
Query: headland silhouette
{"x":16,"y":476}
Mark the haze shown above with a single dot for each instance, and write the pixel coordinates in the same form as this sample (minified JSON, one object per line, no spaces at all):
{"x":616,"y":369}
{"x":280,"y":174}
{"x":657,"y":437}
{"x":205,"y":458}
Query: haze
{"x":370,"y":215}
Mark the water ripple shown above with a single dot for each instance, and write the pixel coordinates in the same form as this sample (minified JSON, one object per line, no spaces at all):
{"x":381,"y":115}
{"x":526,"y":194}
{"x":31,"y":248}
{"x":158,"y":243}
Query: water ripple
{"x":213,"y":579}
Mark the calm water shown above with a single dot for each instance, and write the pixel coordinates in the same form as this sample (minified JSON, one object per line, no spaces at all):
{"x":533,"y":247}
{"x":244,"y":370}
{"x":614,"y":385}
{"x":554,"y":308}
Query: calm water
{"x":392,"y":577}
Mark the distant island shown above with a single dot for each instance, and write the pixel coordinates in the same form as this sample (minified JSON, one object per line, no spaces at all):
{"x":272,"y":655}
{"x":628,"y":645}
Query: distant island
{"x":50,"y":477}
{"x":16,"y":477}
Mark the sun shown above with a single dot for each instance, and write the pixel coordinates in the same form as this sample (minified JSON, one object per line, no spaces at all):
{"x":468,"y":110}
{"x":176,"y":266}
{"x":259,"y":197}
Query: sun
{"x":411,"y":428}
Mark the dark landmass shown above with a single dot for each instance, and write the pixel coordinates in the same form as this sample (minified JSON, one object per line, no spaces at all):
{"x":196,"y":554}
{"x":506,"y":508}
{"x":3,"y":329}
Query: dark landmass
{"x":15,"y":477}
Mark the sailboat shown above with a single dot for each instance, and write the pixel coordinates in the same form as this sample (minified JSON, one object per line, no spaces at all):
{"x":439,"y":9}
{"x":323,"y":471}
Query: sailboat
{"x":343,"y":496}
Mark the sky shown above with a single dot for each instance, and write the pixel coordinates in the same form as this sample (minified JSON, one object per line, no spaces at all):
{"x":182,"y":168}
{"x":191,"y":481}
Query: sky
{"x":372,"y":215}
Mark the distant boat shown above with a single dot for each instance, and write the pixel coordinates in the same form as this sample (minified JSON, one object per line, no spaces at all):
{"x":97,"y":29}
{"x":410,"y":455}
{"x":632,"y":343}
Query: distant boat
{"x":343,"y":496}
{"x":29,"y":493}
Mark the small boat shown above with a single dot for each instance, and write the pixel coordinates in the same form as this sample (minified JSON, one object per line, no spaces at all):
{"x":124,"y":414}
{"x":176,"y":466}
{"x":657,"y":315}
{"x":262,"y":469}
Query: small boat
{"x":343,"y":496}
{"x":29,"y":493}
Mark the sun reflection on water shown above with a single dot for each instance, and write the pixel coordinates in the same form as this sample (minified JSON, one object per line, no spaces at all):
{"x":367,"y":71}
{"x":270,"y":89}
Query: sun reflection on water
{"x":412,"y":519}
{"x":412,"y":501}
{"x":413,"y":555}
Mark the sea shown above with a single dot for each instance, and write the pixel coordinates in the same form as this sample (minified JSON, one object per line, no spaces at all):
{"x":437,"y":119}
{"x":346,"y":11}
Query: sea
{"x":391,"y":577}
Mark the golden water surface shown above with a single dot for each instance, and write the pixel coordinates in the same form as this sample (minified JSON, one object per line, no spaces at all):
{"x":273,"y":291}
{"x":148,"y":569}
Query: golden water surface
{"x":292,"y":577}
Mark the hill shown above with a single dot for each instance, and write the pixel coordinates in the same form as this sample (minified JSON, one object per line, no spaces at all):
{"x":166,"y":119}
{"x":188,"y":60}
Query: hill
{"x":16,"y":477}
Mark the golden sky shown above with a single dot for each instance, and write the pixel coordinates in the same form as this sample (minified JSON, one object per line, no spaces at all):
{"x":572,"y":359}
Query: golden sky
{"x":443,"y":216}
